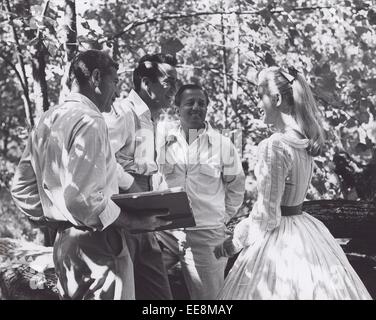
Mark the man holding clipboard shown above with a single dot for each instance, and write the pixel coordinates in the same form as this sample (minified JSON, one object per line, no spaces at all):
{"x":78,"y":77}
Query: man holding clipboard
{"x":131,"y":127}
{"x":160,"y":210}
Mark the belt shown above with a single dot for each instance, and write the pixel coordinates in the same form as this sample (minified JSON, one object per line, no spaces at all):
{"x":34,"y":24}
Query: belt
{"x":287,"y":211}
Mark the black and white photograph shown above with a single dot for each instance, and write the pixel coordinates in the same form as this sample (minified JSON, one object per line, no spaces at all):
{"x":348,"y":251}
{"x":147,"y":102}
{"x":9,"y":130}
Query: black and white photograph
{"x":198,"y":151}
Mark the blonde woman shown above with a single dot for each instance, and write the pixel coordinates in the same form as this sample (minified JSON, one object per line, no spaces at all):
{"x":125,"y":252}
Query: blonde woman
{"x":287,"y":254}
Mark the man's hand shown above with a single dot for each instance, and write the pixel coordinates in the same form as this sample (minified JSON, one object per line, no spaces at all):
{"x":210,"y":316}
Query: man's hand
{"x":226,"y":249}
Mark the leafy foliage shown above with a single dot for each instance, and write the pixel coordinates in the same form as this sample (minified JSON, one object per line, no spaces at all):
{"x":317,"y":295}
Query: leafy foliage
{"x":221,"y":44}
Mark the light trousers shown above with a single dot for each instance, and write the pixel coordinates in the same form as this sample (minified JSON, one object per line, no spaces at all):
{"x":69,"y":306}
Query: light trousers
{"x":203,"y":272}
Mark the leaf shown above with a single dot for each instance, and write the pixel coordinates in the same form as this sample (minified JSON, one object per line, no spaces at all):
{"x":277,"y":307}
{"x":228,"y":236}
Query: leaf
{"x":253,"y":26}
{"x":366,"y":60}
{"x":18,"y":22}
{"x":171,"y":46}
{"x":371,"y":83}
{"x":293,"y":33}
{"x":351,"y":122}
{"x":287,"y":7}
{"x":361,"y":147}
{"x":194,"y":79}
{"x":265,"y":13}
{"x":36,"y":10}
{"x":361,"y":30}
{"x":371,"y":15}
{"x":317,"y":55}
{"x":355,"y":74}
{"x":86,"y":25}
{"x":269,"y":60}
{"x":52,"y":49}
{"x":329,"y":97}
{"x":309,"y":27}
{"x":33,"y":23}
{"x":277,"y":23}
{"x":265,"y":47}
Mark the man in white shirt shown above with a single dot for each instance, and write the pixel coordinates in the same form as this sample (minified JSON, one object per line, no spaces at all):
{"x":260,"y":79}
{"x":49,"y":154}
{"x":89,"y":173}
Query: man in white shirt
{"x":67,"y":175}
{"x":131,"y":127}
{"x":207,"y":165}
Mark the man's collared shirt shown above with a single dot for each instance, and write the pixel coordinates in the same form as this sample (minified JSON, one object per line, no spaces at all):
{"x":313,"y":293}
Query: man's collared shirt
{"x":132,"y":133}
{"x":68,"y":171}
{"x":210,"y":171}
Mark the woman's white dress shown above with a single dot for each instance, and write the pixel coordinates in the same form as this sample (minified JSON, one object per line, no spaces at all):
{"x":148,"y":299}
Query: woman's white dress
{"x":287,"y":257}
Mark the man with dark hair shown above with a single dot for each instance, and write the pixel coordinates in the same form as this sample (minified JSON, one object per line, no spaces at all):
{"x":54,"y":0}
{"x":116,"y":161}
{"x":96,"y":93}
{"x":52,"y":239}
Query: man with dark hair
{"x":207,"y":165}
{"x":191,"y":86}
{"x":132,"y":126}
{"x":66,"y":176}
{"x":148,"y":67}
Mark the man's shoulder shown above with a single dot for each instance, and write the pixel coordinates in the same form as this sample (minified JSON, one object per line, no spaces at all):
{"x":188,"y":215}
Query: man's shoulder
{"x":71,"y":111}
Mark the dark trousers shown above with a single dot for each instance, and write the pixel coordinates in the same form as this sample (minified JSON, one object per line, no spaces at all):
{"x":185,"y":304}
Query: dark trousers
{"x":151,"y":279}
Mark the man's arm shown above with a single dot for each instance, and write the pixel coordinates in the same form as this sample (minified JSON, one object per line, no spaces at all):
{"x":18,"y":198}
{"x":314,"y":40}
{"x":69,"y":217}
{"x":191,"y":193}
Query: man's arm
{"x":119,"y":125}
{"x":85,"y":192}
{"x":24,"y":188}
{"x":234,"y":180}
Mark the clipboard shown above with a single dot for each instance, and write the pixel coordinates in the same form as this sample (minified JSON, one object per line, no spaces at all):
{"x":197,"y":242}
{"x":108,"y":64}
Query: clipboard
{"x":175,"y":200}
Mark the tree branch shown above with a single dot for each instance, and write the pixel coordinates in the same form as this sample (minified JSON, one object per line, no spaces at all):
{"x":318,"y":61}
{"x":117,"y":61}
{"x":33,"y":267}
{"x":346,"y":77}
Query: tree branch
{"x":173,"y":16}
{"x":224,"y":67}
{"x":12,"y":65}
{"x":22,"y":64}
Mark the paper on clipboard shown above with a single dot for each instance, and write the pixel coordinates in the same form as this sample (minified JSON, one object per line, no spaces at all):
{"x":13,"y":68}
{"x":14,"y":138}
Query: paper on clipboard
{"x":175,"y":200}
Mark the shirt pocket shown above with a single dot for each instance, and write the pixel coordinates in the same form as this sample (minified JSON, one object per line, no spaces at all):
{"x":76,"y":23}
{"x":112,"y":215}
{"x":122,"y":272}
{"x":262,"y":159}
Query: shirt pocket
{"x":166,"y":168}
{"x":209,"y":179}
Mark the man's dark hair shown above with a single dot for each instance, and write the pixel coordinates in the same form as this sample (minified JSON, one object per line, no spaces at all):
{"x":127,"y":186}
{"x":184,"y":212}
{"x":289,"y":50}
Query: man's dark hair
{"x":148,"y":67}
{"x":190,"y":86}
{"x":85,"y":62}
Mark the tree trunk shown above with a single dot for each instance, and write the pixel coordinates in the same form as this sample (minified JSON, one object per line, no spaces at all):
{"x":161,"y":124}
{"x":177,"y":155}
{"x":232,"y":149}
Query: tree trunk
{"x":71,"y":45}
{"x":224,"y":68}
{"x":40,"y":87}
{"x":23,"y":79}
{"x":38,"y":54}
{"x":235,"y":70}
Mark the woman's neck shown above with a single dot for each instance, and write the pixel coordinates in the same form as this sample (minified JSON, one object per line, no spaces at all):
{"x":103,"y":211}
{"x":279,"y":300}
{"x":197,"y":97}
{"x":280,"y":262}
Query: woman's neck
{"x":287,"y":123}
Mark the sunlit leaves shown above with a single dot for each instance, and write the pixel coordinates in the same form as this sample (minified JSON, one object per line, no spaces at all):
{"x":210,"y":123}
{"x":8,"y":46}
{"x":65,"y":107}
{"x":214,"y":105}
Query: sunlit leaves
{"x":171,"y":45}
{"x":371,"y":15}
{"x":333,"y":46}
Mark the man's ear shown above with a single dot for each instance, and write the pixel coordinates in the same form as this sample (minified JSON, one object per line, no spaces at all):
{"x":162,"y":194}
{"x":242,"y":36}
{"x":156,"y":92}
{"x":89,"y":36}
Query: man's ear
{"x":96,"y":78}
{"x":278,"y":100}
{"x":145,"y":85}
{"x":177,"y":110}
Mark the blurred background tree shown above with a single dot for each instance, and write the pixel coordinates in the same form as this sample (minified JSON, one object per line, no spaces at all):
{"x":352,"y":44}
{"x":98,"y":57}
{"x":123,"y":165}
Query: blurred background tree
{"x":219,"y":43}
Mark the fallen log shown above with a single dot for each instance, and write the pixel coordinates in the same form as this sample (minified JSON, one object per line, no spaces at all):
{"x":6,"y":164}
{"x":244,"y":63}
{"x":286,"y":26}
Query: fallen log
{"x":26,"y":271}
{"x":345,"y":218}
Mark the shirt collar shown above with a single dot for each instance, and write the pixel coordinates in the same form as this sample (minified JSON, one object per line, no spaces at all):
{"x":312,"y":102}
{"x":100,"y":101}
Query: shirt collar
{"x":78,"y":97}
{"x":138,"y":105}
{"x":178,"y":132}
{"x":293,"y":141}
